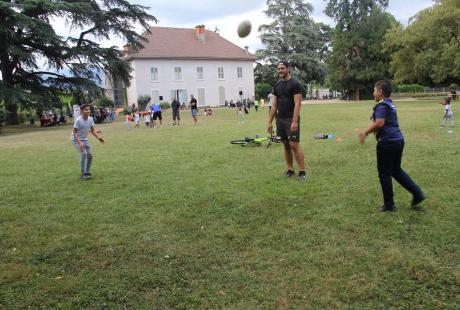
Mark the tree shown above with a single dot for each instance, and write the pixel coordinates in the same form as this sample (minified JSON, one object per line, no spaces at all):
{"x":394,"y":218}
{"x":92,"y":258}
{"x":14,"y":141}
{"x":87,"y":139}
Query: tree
{"x":294,"y":36}
{"x":357,"y":58}
{"x":27,"y":37}
{"x":265,"y":73}
{"x":427,"y":51}
{"x":262,"y":90}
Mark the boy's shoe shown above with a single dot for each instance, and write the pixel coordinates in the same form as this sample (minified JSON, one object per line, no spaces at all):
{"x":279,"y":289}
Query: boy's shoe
{"x":289,"y":173}
{"x":387,"y":209}
{"x":416,"y":201}
{"x":87,"y":176}
{"x":302,"y":176}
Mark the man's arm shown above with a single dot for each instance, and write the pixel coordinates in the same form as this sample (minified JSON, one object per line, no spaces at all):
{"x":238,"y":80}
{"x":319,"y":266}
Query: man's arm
{"x":273,"y":110}
{"x":295,"y":119}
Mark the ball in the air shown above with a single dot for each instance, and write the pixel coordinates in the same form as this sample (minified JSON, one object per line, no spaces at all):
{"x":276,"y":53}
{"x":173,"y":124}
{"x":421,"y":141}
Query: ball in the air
{"x":244,"y":28}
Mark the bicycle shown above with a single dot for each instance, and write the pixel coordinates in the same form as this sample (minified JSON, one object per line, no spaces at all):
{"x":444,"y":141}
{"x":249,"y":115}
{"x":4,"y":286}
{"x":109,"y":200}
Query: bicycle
{"x":257,"y":140}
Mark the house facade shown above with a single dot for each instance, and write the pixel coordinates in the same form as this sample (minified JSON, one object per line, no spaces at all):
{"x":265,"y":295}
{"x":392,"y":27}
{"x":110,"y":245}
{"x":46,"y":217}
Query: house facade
{"x":178,"y":62}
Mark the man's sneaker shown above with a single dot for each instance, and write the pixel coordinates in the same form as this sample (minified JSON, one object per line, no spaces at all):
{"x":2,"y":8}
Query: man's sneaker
{"x":387,"y":209}
{"x":416,"y":201}
{"x":302,"y":176}
{"x":290,"y":173}
{"x":87,"y":176}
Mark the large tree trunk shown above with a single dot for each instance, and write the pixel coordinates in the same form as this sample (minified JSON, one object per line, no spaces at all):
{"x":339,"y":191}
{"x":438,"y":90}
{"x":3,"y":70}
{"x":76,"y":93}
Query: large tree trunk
{"x":357,"y":95}
{"x":11,"y":117}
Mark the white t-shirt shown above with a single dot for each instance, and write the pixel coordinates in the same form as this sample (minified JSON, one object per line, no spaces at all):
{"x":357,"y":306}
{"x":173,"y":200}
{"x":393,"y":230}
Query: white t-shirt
{"x":136,"y":117}
{"x":270,"y":100}
{"x":83,"y":126}
{"x":76,"y":111}
{"x":448,"y":109}
{"x":147,"y":118}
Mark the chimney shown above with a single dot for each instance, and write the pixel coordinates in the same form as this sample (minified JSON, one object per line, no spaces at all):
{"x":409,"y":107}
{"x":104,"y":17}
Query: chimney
{"x":199,"y":32}
{"x":246,"y":50}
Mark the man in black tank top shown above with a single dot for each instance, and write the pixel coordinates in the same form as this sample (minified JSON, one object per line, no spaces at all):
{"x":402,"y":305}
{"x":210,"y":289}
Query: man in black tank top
{"x":286,"y":105}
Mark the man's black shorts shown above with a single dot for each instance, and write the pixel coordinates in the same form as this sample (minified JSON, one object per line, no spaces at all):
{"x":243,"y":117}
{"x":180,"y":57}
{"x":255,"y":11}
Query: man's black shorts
{"x":157,"y":115}
{"x":283,"y":130}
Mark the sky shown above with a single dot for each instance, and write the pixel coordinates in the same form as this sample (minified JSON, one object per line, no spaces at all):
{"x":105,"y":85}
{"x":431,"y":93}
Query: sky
{"x":227,"y":14}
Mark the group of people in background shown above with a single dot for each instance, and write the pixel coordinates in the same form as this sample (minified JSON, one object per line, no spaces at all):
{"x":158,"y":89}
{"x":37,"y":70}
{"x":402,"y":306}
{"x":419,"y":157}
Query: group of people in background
{"x":153,"y":116}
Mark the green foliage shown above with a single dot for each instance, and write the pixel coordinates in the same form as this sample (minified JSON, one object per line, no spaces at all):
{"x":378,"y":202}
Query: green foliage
{"x":453,"y":86}
{"x":426,"y":52}
{"x":265,"y":73}
{"x":27,"y":36}
{"x":357,"y":59}
{"x":409,"y":88}
{"x":142,"y":102}
{"x":294,"y":36}
{"x":262,"y":90}
{"x":165,"y":105}
{"x":104,"y":102}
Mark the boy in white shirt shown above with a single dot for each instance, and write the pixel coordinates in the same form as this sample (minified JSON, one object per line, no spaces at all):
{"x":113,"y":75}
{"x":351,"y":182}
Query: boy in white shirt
{"x":136,"y":119}
{"x":84,"y":124}
{"x":147,"y":119}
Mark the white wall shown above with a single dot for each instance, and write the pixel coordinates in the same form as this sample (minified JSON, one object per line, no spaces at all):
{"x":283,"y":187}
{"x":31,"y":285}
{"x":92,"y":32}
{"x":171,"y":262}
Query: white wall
{"x":131,"y":91}
{"x":143,"y":85}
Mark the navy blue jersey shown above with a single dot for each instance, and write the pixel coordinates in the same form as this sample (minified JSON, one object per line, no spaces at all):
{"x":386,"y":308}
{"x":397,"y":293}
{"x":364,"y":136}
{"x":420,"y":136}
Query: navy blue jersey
{"x":390,"y":132}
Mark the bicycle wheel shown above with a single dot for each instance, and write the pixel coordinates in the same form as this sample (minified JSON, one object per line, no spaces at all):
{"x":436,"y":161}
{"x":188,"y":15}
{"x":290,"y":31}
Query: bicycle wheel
{"x":239,"y":141}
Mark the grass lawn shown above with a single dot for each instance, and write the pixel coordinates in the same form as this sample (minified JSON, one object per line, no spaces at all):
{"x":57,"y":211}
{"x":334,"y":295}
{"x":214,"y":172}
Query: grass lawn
{"x":177,"y":217}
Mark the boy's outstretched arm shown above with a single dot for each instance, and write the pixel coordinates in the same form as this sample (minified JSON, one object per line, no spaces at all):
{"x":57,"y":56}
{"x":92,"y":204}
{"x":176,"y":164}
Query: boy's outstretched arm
{"x":379,"y":122}
{"x":95,"y":134}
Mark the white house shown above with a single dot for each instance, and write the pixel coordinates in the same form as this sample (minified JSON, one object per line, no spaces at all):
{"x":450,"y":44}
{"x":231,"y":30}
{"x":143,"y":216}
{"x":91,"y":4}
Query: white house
{"x":178,"y":62}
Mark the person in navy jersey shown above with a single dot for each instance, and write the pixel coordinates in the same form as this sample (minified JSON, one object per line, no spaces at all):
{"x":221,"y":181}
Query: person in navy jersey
{"x":390,"y":145}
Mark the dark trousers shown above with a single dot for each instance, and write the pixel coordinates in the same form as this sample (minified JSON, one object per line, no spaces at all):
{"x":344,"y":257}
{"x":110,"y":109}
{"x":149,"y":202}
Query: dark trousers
{"x":389,"y":157}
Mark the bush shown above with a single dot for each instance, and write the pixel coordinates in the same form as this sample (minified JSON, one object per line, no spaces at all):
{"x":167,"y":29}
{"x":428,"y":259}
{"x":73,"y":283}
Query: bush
{"x":142,"y":102}
{"x":453,"y":86}
{"x":409,"y":88}
{"x":427,"y":95}
{"x":104,"y":102}
{"x":165,"y":105}
{"x":262,"y":90}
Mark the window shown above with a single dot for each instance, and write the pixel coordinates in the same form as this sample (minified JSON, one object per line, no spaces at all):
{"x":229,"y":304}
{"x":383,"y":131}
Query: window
{"x":154,"y":74}
{"x":199,"y":73}
{"x":239,"y":72}
{"x":178,"y":73}
{"x":155,"y":96}
{"x":201,"y":97}
{"x":220,"y":73}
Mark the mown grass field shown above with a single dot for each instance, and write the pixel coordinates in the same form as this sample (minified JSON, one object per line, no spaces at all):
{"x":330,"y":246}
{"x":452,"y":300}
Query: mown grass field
{"x":178,"y":218}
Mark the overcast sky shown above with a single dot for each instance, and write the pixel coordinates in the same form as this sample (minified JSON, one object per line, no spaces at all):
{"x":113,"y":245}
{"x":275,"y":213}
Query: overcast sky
{"x":227,"y":14}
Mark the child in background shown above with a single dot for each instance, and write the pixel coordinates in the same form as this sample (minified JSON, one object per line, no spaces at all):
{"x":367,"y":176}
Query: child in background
{"x":136,"y":119}
{"x":147,"y":119}
{"x":128,"y":120}
{"x":448,"y":113}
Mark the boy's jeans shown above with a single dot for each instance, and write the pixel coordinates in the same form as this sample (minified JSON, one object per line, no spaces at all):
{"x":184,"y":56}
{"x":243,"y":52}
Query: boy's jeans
{"x":389,"y":157}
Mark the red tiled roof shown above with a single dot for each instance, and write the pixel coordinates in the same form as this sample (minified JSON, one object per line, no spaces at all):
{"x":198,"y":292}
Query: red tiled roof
{"x":181,"y":43}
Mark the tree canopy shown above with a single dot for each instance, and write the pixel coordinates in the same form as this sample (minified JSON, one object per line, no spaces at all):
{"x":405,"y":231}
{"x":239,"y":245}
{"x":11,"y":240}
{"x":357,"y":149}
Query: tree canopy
{"x":357,"y":58}
{"x":427,"y":51}
{"x":294,"y":36}
{"x":27,"y":38}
